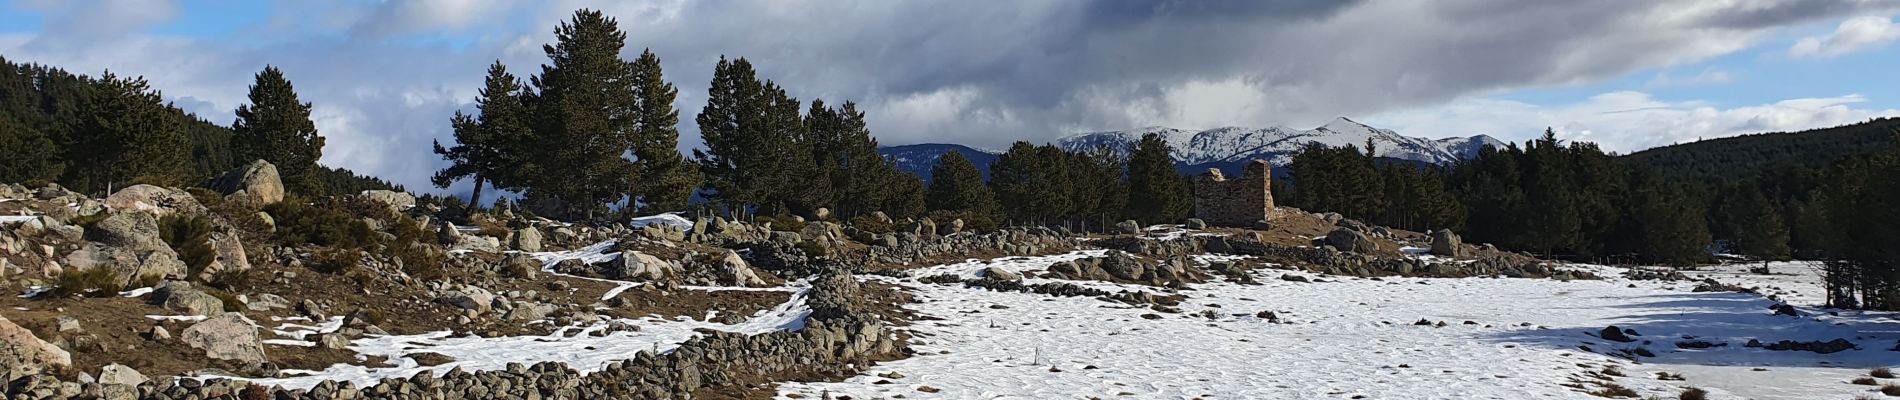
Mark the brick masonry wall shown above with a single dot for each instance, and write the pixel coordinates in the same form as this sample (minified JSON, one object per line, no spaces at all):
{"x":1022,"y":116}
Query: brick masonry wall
{"x":1240,"y":201}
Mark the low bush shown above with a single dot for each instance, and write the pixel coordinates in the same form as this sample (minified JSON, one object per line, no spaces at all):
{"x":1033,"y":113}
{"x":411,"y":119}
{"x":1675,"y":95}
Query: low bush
{"x":1882,"y":373}
{"x":1693,"y":394}
{"x":190,"y":237}
{"x":335,"y":261}
{"x":812,"y":249}
{"x":1890,"y":389}
{"x":327,"y":223}
{"x":781,"y":222}
{"x":1615,"y":391}
{"x":972,"y":221}
{"x":92,"y":282}
{"x":873,"y":225}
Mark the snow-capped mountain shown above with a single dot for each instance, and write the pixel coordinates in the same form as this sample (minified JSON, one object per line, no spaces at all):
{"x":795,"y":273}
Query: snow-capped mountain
{"x":1232,"y":145}
{"x":1228,"y":147}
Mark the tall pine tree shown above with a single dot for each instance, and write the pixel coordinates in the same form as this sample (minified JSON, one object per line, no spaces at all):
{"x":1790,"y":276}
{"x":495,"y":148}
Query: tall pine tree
{"x":276,"y":127}
{"x":957,"y":186}
{"x":666,"y":181}
{"x":31,"y":154}
{"x":127,"y":136}
{"x":585,"y":106}
{"x":490,"y":148}
{"x":1156,"y":192}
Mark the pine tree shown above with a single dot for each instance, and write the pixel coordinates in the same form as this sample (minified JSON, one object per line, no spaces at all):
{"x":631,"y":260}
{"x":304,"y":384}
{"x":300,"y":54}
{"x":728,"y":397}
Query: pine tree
{"x":276,"y":127}
{"x":957,"y":186}
{"x":489,"y":148}
{"x":847,"y":158}
{"x":586,"y":109}
{"x":758,"y":152}
{"x":1156,"y":192}
{"x":128,"y":136}
{"x":1014,"y":177}
{"x":1756,"y":227}
{"x":31,"y":154}
{"x":666,"y":180}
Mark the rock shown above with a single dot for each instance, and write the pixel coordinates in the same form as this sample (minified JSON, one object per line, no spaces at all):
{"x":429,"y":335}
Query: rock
{"x":735,"y":271}
{"x":269,"y":223}
{"x":256,"y":183}
{"x":154,"y":200}
{"x":230,"y":253}
{"x":527,"y":239}
{"x":528,"y":311}
{"x":180,"y":297}
{"x":333,"y":341}
{"x":66,"y":323}
{"x":993,"y":272}
{"x":1615,"y":334}
{"x":1351,"y":241}
{"x":468,"y":298}
{"x":115,"y":374}
{"x":520,"y":266}
{"x":158,"y":332}
{"x":880,"y":216}
{"x":1196,"y":224}
{"x":1129,"y":227}
{"x":267,"y":302}
{"x":1446,"y":243}
{"x":821,"y":214}
{"x":395,"y":200}
{"x":951,"y":228}
{"x":129,"y":244}
{"x":1785,"y":309}
{"x":634,"y":265}
{"x":225,"y":337}
{"x":25,"y":354}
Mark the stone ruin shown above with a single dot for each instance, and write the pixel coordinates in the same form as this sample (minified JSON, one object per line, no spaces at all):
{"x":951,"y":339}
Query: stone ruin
{"x":1243,"y":201}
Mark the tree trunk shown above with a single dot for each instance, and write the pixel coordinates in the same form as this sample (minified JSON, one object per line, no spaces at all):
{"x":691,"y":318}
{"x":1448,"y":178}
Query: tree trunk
{"x":475,"y":198}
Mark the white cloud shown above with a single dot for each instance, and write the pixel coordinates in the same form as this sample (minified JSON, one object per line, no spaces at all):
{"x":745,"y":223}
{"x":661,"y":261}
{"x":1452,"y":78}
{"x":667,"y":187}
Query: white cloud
{"x":1708,"y":76}
{"x":1626,"y":121}
{"x":1853,"y":35}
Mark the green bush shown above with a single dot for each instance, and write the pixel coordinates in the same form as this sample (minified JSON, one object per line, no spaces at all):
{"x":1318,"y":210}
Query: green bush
{"x":327,"y":223}
{"x":231,"y":303}
{"x":93,"y":282}
{"x":191,"y":238}
{"x":812,"y":249}
{"x":873,"y":225}
{"x":335,"y":261}
{"x":229,"y":278}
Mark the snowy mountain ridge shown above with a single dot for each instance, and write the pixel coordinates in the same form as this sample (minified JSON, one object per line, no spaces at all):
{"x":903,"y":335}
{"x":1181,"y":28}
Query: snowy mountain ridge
{"x":1228,"y":145}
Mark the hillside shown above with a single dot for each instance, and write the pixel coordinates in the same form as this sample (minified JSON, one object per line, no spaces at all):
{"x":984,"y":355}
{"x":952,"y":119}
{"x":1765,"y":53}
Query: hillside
{"x":918,"y":159}
{"x":1740,"y":156}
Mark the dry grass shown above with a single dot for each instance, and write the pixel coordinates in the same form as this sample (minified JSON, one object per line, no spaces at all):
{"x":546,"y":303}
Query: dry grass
{"x":1612,"y":390}
{"x":1865,"y":381}
{"x":1693,"y":393}
{"x":1882,"y":373}
{"x":1890,"y":389}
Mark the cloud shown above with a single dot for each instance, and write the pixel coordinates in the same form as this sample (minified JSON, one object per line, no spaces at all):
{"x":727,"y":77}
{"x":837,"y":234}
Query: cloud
{"x":385,"y":76}
{"x":1627,"y":121}
{"x":1853,"y":35}
{"x":1708,"y":76}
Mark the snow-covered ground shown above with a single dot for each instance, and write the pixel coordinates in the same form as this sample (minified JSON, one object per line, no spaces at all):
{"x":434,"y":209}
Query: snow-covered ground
{"x":1355,"y":337}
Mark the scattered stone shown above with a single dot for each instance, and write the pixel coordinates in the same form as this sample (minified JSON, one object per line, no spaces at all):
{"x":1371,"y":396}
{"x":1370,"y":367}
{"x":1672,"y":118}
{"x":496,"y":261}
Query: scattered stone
{"x":1128,"y":227}
{"x":1196,"y":224}
{"x":25,"y":354}
{"x":527,"y":239}
{"x":115,"y":374}
{"x":1446,"y":243}
{"x":226,"y":337}
{"x":1612,"y":333}
{"x":1348,"y":240}
{"x":1831,"y":346}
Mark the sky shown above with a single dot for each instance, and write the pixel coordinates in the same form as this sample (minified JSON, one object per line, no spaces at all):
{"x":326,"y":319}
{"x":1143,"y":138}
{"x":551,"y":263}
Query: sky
{"x":384,"y":77}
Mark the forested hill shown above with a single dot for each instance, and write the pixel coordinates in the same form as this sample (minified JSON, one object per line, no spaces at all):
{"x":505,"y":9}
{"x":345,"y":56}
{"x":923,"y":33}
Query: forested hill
{"x":91,"y":133}
{"x":1746,"y":155}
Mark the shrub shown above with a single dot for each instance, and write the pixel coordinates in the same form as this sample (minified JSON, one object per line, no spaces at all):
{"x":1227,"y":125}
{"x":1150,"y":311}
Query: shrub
{"x":229,"y":278}
{"x":812,"y":249}
{"x":419,"y":260}
{"x":1612,"y":390}
{"x":1890,"y":389}
{"x":92,"y":282}
{"x":1693,"y":394}
{"x":972,"y":221}
{"x":335,"y":261}
{"x":86,"y":221}
{"x":230,"y":300}
{"x":1865,"y":381}
{"x":1882,"y":373}
{"x":191,"y":238}
{"x":329,"y":223}
{"x":873,"y":225}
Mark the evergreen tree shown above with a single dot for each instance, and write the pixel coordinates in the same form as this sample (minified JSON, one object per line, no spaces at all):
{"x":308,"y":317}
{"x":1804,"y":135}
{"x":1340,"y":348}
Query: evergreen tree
{"x":586,"y":112}
{"x":846,"y":157}
{"x":1557,"y":224}
{"x":666,"y":180}
{"x":1674,"y":232}
{"x":489,"y":148}
{"x":1156,"y":192}
{"x":276,"y":127}
{"x":757,"y":150}
{"x":957,"y":186}
{"x":1014,"y":177}
{"x":128,"y":136}
{"x":1755,"y":226}
{"x":31,"y":155}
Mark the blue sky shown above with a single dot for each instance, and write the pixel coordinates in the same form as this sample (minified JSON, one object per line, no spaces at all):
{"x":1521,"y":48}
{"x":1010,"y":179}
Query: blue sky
{"x":385,"y":76}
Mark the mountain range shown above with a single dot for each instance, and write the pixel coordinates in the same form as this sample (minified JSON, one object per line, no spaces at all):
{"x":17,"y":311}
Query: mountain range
{"x":1228,"y":147}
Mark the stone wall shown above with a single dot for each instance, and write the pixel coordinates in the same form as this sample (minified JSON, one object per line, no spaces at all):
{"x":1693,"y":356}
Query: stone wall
{"x":1241,"y":201}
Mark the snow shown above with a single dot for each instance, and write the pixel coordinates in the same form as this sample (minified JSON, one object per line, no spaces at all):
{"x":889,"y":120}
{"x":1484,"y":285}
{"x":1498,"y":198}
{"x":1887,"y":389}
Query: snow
{"x":14,"y":219}
{"x":1277,"y":144}
{"x":136,"y":292}
{"x":1354,"y":337}
{"x":672,"y":219}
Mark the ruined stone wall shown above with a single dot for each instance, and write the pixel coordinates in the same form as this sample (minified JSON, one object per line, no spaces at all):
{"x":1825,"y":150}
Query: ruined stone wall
{"x":1240,"y":201}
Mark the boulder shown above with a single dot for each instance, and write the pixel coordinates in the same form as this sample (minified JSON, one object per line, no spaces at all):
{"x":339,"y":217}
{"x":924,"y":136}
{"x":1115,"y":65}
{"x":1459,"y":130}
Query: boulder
{"x":21,"y":353}
{"x":1351,"y":241}
{"x":115,"y":374}
{"x":1196,"y":224}
{"x":225,"y":337}
{"x":520,"y":266}
{"x":396,"y":200}
{"x":333,"y":341}
{"x":1615,"y":334}
{"x":528,"y":311}
{"x":821,"y":214}
{"x":951,"y":228}
{"x":1446,"y":243}
{"x":155,"y":200}
{"x":180,"y":297}
{"x":527,"y":239}
{"x":1129,"y":227}
{"x":634,"y":265}
{"x":468,"y":298}
{"x":129,"y":244}
{"x":254,"y":183}
{"x":733,"y":270}
{"x":230,"y":253}
{"x":993,"y":272}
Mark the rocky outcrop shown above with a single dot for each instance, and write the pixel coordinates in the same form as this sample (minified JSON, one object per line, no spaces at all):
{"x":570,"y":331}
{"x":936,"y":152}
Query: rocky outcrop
{"x":733,"y":270}
{"x":225,"y":337}
{"x":21,"y":353}
{"x":129,"y":244}
{"x":155,"y":200}
{"x":230,"y":253}
{"x":395,"y":200}
{"x":526,"y":239}
{"x":1122,"y":267}
{"x":180,"y":297}
{"x":255,"y":183}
